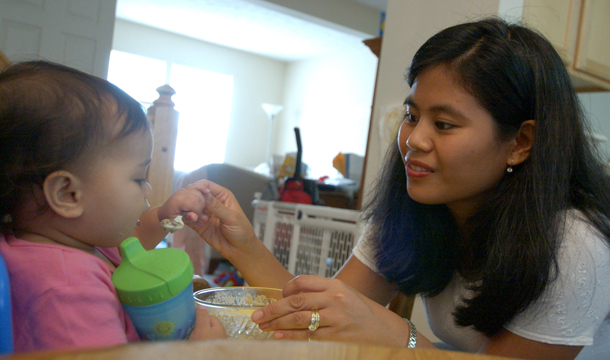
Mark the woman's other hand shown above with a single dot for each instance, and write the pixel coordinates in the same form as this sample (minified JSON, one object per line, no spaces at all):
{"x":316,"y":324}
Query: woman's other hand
{"x":345,"y":314}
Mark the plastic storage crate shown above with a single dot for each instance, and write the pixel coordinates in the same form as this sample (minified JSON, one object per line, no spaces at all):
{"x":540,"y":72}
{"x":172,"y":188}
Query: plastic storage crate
{"x":307,"y":239}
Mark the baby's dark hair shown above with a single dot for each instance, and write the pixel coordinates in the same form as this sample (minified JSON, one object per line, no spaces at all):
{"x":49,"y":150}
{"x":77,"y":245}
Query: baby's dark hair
{"x":53,"y":117}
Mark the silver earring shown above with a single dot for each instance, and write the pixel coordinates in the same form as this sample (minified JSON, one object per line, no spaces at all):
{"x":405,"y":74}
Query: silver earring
{"x":509,"y":169}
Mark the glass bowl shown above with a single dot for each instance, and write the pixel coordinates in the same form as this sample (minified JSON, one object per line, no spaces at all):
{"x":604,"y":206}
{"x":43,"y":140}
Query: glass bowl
{"x":234,"y":306}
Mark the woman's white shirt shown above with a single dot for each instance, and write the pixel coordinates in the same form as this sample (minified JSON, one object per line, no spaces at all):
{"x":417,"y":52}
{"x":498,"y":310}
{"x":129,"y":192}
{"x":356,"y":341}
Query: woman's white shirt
{"x":573,"y":310}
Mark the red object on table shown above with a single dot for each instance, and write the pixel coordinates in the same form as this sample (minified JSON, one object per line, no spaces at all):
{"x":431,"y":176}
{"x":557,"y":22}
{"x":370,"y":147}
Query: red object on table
{"x":293,"y":190}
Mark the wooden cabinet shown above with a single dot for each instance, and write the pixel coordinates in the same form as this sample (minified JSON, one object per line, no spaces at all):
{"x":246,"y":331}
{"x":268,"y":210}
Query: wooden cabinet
{"x":558,"y":21}
{"x":579,"y":31}
{"x":593,"y":51}
{"x":73,"y":33}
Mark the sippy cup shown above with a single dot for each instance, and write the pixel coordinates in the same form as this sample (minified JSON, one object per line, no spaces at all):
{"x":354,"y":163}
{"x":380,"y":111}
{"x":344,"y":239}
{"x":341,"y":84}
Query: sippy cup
{"x":156,"y":290}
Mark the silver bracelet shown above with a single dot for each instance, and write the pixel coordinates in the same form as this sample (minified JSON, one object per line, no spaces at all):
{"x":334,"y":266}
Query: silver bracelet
{"x":412,"y":334}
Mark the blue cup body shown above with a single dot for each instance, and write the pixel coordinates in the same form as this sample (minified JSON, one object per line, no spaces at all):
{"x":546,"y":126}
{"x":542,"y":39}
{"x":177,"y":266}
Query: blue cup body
{"x":6,"y":317}
{"x":172,"y":319}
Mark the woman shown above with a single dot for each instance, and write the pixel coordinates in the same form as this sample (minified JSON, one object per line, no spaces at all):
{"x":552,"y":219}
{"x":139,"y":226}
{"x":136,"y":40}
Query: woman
{"x":494,"y":207}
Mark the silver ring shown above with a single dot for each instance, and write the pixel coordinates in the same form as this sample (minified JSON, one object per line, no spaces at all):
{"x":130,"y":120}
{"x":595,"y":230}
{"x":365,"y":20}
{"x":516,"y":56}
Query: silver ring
{"x":315,"y":320}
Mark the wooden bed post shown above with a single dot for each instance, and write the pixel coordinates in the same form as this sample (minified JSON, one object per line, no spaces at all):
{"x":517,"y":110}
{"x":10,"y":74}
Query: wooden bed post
{"x":164,"y":120}
{"x":4,"y":60}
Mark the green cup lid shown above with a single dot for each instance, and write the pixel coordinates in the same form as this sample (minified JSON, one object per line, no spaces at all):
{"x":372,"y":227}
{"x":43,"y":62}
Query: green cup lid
{"x":150,"y":277}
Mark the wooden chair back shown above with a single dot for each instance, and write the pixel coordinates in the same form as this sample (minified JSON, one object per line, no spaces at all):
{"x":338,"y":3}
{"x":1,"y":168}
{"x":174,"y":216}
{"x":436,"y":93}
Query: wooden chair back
{"x":4,"y":60}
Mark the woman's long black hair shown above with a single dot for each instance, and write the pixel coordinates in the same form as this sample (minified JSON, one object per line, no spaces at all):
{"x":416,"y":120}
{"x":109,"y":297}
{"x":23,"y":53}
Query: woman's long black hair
{"x":508,"y":249}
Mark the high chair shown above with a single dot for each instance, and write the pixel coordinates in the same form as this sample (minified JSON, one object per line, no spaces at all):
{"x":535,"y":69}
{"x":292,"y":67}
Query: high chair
{"x":6,"y":323}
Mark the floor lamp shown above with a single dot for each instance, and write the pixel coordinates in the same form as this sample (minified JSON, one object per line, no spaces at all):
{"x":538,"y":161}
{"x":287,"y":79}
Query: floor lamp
{"x":271,"y":110}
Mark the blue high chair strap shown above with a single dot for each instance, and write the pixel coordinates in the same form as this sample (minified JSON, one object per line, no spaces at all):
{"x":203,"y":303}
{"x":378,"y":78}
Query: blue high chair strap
{"x":6,"y":323}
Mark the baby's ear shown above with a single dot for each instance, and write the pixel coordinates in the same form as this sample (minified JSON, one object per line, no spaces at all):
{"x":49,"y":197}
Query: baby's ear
{"x":63,"y":193}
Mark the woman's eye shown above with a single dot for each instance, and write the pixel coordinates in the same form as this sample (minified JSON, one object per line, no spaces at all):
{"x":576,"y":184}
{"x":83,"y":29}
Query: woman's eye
{"x":443,"y":125}
{"x":410,"y":118}
{"x":141,"y":181}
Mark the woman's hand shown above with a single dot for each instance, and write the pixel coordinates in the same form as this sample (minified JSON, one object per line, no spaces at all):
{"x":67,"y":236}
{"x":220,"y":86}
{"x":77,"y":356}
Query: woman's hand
{"x":345,"y":314}
{"x":188,"y":202}
{"x":224,"y":225}
{"x":227,"y":229}
{"x":207,"y":327}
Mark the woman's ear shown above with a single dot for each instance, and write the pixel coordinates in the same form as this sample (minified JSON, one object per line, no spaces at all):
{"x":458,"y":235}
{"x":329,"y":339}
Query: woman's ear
{"x":63,"y":193}
{"x":522,"y":144}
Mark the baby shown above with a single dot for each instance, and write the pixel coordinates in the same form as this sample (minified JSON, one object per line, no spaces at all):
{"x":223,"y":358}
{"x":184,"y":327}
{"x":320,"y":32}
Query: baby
{"x":75,"y":151}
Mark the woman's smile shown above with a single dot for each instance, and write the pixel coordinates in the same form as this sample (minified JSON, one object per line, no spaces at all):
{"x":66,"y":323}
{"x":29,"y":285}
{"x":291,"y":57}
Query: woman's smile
{"x":417,"y":169}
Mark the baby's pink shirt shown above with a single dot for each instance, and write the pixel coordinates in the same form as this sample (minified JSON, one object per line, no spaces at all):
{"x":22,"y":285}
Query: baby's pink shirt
{"x":63,"y":298}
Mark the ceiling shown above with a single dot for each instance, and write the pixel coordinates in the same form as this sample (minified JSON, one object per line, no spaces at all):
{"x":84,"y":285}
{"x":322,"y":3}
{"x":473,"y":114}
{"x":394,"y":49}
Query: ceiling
{"x":244,"y":25}
{"x":376,"y":4}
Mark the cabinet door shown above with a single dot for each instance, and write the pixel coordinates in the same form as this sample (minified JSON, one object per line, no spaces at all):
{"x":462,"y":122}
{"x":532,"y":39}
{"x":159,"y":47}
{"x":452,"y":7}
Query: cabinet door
{"x":593,"y":56}
{"x":69,"y":32}
{"x":557,"y":20}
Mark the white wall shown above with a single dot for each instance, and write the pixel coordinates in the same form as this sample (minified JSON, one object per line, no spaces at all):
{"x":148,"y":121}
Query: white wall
{"x":597,"y":108}
{"x":257,"y":79}
{"x":344,"y":15}
{"x":329,"y":99}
